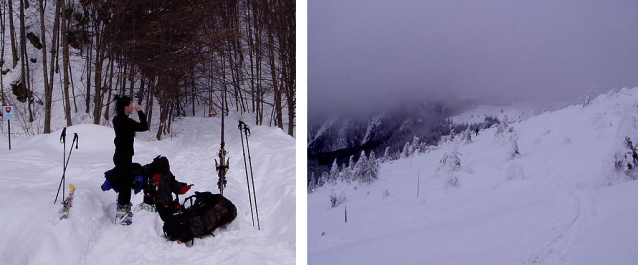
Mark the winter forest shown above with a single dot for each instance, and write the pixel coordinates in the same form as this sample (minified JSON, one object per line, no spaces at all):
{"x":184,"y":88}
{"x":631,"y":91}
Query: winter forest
{"x":69,"y":58}
{"x":347,"y":147}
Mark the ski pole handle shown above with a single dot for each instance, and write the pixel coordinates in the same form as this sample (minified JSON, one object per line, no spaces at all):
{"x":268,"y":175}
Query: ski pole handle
{"x":63,"y":136}
{"x":244,"y":126}
{"x":75,"y":140}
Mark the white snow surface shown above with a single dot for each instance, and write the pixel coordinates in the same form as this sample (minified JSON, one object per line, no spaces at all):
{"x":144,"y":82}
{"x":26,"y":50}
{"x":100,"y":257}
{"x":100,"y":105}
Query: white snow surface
{"x":32,"y":233}
{"x":559,"y":202}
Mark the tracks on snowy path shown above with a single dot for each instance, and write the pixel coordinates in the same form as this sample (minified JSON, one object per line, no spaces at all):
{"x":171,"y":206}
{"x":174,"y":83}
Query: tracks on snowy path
{"x":585,"y":208}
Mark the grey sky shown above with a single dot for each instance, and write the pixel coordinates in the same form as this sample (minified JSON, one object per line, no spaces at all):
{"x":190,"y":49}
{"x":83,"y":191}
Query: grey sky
{"x":366,"y":53}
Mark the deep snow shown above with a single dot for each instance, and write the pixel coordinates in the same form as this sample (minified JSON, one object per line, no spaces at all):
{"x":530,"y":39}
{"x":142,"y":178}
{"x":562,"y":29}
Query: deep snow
{"x":32,"y":233}
{"x":559,"y":202}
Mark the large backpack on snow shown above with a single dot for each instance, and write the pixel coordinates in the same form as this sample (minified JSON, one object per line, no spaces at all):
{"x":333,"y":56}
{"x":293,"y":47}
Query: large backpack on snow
{"x":207,"y":213}
{"x":159,"y":186}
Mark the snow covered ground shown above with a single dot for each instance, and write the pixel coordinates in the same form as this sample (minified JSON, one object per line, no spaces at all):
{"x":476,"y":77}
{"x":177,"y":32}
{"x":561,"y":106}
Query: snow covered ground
{"x":32,"y":233}
{"x":559,"y":202}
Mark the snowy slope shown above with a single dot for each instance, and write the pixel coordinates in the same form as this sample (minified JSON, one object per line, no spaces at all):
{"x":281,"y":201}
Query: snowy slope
{"x":30,"y":173}
{"x":560,"y":202}
{"x":478,"y":114}
{"x":322,"y":129}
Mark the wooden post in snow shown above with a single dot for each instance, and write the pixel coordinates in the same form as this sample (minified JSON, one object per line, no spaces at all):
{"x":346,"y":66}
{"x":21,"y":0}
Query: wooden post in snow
{"x":418,"y":180}
{"x":346,"y":213}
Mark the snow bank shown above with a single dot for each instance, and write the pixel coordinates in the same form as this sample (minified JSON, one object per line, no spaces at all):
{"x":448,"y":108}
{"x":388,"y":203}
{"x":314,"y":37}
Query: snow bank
{"x":33,"y":234}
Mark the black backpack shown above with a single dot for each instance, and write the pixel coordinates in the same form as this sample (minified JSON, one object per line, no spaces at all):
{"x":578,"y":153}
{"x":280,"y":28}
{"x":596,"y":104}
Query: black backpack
{"x":160,"y":165}
{"x":207,"y":213}
{"x":160,"y":184}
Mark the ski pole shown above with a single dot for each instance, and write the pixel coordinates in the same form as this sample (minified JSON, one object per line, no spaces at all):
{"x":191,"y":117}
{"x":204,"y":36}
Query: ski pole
{"x":252,"y":177}
{"x":63,"y":136}
{"x":62,"y":141}
{"x":63,"y":180}
{"x":241,"y":126}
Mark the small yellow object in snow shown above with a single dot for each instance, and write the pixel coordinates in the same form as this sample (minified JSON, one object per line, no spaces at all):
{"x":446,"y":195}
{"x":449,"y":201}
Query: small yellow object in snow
{"x":72,"y":187}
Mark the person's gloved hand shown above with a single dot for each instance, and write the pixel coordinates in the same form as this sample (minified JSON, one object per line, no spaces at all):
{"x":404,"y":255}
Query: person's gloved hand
{"x":138,"y":184}
{"x":185,"y":189}
{"x":106,"y":185}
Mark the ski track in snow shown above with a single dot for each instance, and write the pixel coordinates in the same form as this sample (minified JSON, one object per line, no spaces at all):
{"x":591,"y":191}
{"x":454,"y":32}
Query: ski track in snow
{"x":31,"y":173}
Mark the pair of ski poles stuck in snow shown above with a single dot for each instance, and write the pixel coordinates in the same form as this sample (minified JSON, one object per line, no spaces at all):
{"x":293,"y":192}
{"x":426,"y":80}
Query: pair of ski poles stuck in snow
{"x":245,"y":131}
{"x":223,"y":168}
{"x":65,"y":161}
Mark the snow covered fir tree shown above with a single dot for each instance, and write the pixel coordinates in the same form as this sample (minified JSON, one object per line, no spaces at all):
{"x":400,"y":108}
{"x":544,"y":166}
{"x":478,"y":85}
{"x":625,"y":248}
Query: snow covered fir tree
{"x":197,"y":69}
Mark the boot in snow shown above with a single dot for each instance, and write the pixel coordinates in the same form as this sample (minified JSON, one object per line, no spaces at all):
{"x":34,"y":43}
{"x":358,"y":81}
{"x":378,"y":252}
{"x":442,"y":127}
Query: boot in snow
{"x":148,"y":207}
{"x":123,"y":215}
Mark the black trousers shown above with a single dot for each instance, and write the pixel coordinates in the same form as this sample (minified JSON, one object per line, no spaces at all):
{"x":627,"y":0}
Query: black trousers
{"x":124,"y":178}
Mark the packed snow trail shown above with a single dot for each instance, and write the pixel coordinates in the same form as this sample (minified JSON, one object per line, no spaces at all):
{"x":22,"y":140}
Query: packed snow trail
{"x":33,"y":234}
{"x":559,"y":202}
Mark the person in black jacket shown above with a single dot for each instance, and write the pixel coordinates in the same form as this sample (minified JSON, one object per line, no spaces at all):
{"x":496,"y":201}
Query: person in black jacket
{"x":125,"y":129}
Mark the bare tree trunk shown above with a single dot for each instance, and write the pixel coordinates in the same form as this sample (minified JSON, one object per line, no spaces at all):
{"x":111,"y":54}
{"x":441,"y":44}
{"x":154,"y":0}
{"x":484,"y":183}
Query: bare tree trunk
{"x":292,"y":104}
{"x":121,"y":75}
{"x":272,"y":115}
{"x":99,"y":61}
{"x":75,"y":105}
{"x":54,"y":47}
{"x":149,"y":102}
{"x":65,"y":64}
{"x":116,"y":86}
{"x":287,"y":50}
{"x":270,"y":25}
{"x":89,"y":59}
{"x":210,"y":85}
{"x":132,"y":80}
{"x":276,"y":88}
{"x":3,"y":30}
{"x":170,"y":118}
{"x":48,"y":90}
{"x":25,"y":62}
{"x":258,"y":63}
{"x":14,"y":48}
{"x":110,"y":88}
{"x":194,"y":92}
{"x":140,"y":93}
{"x":259,"y":58}
{"x":251,"y":50}
{"x":163,"y":115}
{"x":22,"y":48}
